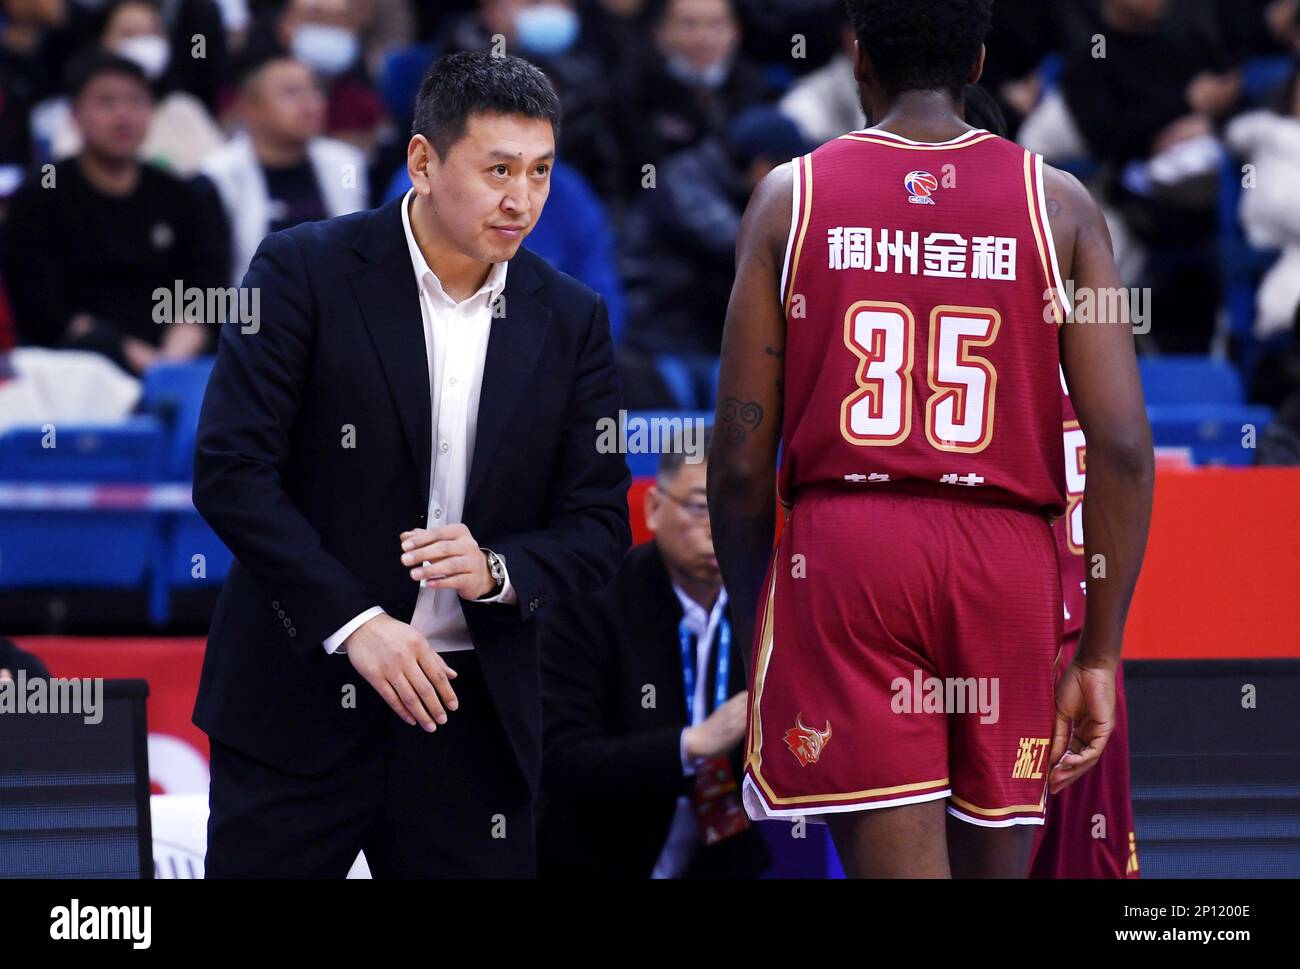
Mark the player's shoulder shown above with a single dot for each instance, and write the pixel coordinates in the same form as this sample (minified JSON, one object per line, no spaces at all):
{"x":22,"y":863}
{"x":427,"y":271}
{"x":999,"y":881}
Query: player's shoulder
{"x":1069,"y":203}
{"x":767,"y":217}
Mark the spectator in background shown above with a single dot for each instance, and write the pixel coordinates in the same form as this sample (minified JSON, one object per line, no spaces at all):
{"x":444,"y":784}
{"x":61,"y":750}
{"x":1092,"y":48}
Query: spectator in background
{"x":680,"y":253}
{"x":643,"y":699}
{"x":87,"y":244}
{"x":326,"y":36}
{"x":26,"y":78}
{"x":825,"y":103}
{"x":280,"y":170}
{"x":688,"y":85}
{"x":197,"y":70}
{"x":1147,"y":111}
{"x":550,"y":34}
{"x":182,"y":133}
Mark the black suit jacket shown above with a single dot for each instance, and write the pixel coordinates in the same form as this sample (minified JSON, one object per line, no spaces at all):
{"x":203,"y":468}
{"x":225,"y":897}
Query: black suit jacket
{"x":314,"y":525}
{"x":613,"y":771}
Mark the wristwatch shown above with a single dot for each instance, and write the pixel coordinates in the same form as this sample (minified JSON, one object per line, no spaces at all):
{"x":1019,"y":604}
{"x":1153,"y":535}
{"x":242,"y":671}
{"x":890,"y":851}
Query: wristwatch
{"x":497,"y":567}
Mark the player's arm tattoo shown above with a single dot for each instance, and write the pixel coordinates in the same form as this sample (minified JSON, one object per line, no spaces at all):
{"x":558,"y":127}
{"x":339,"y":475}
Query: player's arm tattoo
{"x":739,"y":419}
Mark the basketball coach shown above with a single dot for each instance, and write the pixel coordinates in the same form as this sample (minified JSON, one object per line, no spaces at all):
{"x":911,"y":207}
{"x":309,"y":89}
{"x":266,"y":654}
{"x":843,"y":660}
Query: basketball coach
{"x":401,"y":454}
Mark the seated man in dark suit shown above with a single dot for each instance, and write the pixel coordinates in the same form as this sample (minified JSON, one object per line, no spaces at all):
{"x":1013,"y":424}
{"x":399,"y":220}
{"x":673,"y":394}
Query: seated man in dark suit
{"x":643,"y":709}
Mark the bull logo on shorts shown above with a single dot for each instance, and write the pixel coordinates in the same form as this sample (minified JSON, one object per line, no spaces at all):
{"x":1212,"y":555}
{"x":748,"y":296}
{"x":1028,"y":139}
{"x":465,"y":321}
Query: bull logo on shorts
{"x":806,"y":743}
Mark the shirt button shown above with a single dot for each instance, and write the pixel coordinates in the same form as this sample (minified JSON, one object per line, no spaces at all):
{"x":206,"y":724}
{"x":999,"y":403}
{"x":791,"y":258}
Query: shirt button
{"x":437,"y":513}
{"x":445,"y":447}
{"x":452,"y":381}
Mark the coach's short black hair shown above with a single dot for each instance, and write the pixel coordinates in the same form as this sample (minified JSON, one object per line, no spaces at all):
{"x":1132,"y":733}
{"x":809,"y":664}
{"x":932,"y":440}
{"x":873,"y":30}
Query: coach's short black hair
{"x":97,"y":62}
{"x":474,"y":82}
{"x":921,"y":44}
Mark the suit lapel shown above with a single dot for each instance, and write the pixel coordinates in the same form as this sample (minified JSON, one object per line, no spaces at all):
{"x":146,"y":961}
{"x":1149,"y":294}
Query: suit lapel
{"x":389,"y":298}
{"x":514,"y":348}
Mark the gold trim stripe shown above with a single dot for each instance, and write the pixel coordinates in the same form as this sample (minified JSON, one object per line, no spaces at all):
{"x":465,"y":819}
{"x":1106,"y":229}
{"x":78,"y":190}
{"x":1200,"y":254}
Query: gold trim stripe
{"x":999,"y":812}
{"x":755,"y":754}
{"x":1032,"y":195}
{"x":806,"y":188}
{"x":851,"y":796}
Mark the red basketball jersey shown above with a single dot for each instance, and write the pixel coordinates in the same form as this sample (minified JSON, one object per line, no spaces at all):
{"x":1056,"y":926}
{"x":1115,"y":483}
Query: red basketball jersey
{"x":922,"y":303}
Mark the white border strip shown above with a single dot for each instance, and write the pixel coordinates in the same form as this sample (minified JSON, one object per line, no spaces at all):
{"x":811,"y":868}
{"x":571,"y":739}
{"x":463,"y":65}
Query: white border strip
{"x":881,"y":133}
{"x":1048,"y":241}
{"x":795,"y":205}
{"x":956,"y":813}
{"x":758,"y":809}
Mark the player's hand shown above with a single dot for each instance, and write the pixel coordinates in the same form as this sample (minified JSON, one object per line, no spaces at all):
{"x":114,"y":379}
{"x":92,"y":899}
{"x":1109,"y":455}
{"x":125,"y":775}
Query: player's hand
{"x":447,"y":557}
{"x":398,"y":662}
{"x":1085,"y":717}
{"x":6,"y":675}
{"x":721,"y":730}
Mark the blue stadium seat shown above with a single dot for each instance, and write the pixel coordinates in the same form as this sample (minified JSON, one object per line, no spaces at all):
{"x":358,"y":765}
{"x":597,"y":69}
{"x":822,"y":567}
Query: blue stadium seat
{"x":186,"y":536}
{"x":131,"y":451}
{"x":1213,"y":432}
{"x":1189,"y":379}
{"x":644,"y":465}
{"x":173,"y":392}
{"x":676,"y":376}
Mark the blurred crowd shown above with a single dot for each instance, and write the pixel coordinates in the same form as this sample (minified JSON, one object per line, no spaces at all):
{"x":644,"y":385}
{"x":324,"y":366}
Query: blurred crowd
{"x":149,"y":144}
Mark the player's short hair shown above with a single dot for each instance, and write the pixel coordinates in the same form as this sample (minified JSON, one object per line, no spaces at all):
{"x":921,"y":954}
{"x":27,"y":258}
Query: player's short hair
{"x":921,"y":44}
{"x":477,"y":82}
{"x":672,"y":460}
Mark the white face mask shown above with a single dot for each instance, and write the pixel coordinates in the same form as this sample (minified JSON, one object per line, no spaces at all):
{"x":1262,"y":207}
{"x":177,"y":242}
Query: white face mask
{"x":548,"y":29}
{"x":692,"y":76}
{"x":151,"y":52}
{"x":326,"y":49}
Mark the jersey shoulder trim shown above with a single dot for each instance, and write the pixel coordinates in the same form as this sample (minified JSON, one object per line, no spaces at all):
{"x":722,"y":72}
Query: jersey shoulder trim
{"x":875,"y":136}
{"x":800,"y":213}
{"x":1042,"y":225}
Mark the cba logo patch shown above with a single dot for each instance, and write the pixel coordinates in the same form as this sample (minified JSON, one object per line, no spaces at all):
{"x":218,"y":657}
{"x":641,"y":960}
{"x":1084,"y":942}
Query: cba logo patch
{"x":920,"y":185}
{"x":806,"y":743}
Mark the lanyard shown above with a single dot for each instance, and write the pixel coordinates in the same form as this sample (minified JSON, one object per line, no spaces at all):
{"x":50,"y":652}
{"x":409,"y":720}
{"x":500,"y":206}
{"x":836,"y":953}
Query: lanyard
{"x":723,"y":666}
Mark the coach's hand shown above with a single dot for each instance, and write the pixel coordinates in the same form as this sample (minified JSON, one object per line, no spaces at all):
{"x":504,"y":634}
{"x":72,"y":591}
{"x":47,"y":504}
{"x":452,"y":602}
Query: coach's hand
{"x":447,"y":557}
{"x":398,"y":662}
{"x":1085,"y":717}
{"x":720,"y":731}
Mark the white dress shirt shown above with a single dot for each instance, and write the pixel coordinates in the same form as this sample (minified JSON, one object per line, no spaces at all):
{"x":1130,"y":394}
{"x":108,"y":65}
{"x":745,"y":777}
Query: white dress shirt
{"x":455,"y":341}
{"x":683,"y":835}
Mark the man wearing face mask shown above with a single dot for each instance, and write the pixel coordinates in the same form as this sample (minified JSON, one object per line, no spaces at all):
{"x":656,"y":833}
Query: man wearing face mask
{"x":549,"y":33}
{"x":325,"y":35}
{"x":182,"y":133}
{"x":691,"y":83}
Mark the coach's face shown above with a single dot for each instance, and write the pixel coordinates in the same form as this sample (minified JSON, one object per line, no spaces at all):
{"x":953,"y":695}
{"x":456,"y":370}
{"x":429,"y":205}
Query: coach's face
{"x":489,"y":191}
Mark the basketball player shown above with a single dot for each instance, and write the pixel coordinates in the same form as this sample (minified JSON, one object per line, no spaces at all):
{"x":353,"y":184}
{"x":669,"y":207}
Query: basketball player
{"x":897,"y":324}
{"x":1089,"y":830}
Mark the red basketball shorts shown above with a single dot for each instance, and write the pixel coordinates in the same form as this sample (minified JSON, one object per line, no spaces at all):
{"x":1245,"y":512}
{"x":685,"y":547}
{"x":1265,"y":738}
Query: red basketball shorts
{"x":905,"y":651}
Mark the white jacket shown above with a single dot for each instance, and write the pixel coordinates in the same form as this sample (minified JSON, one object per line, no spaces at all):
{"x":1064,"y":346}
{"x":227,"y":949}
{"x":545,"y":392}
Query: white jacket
{"x":1270,"y":211}
{"x":340,"y":171}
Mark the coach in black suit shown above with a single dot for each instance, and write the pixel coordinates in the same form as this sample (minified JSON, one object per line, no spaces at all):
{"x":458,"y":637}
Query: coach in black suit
{"x":400,"y":451}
